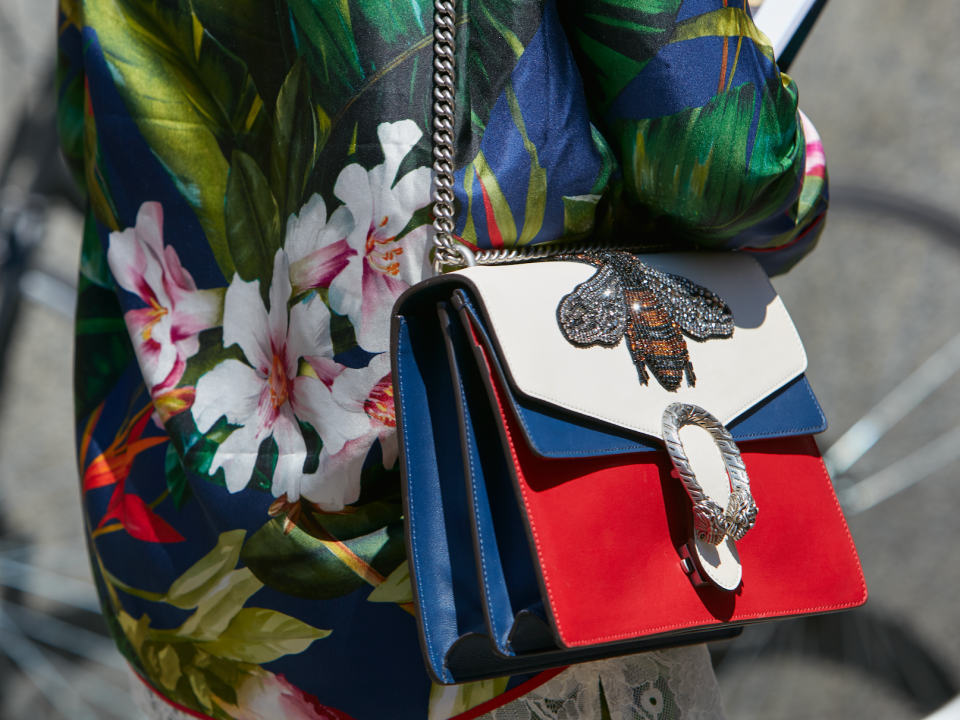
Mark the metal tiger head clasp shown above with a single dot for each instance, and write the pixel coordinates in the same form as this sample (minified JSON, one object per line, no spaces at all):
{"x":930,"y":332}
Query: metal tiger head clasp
{"x":712,"y":522}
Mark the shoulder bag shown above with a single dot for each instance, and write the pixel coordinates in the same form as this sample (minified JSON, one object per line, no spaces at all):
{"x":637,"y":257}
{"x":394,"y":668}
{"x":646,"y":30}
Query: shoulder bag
{"x":603,"y":452}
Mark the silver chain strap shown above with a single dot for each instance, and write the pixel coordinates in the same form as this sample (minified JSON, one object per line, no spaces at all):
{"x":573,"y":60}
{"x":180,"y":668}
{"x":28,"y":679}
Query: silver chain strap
{"x":448,"y":252}
{"x":505,"y":256}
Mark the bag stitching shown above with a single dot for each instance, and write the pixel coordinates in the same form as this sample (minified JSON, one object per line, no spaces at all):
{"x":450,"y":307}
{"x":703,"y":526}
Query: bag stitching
{"x":533,"y":525}
{"x":473,"y":484}
{"x":818,"y":608}
{"x":413,"y":531}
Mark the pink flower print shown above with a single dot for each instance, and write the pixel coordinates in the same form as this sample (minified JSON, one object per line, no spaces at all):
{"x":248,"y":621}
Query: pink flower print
{"x":383,"y":265}
{"x":317,"y":248}
{"x":816,"y":159}
{"x":265,"y":696}
{"x":365,"y":393}
{"x":164,"y":333}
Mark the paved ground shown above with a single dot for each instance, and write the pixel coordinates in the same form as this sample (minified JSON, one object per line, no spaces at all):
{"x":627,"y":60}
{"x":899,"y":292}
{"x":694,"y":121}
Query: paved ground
{"x":878,"y":78}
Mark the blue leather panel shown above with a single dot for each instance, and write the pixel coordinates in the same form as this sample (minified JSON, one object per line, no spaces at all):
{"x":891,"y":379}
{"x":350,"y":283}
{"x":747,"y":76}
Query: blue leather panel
{"x":555,"y":433}
{"x":792,"y":410}
{"x":492,"y":585}
{"x":440,"y":542}
{"x":507,"y":576}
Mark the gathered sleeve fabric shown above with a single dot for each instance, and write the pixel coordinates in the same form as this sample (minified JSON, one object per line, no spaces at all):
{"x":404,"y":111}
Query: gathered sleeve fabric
{"x":706,"y":129}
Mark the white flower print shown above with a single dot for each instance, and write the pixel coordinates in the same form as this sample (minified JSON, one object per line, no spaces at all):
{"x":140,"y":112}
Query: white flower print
{"x":363,"y":232}
{"x":365,"y":393}
{"x":317,"y":249}
{"x":268,"y":397}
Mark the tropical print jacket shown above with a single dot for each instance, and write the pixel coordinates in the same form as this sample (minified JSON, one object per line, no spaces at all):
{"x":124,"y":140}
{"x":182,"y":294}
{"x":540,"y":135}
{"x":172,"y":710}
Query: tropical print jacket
{"x":258,"y":182}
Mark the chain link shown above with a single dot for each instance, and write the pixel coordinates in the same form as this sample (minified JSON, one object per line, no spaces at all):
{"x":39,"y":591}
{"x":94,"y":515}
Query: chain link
{"x":447,"y":252}
{"x":505,"y":256}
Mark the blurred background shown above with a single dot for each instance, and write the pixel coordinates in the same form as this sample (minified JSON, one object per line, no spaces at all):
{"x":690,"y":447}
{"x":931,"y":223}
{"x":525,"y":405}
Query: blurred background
{"x":877,"y":306}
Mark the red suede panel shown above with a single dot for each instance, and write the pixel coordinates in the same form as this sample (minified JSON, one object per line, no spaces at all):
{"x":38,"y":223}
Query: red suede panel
{"x":607,"y":532}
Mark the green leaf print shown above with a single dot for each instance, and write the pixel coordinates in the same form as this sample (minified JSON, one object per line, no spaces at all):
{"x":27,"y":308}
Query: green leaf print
{"x":613,"y":40}
{"x":176,"y":478}
{"x":103,"y":350}
{"x":93,"y":261}
{"x":95,"y":182}
{"x":193,"y":100}
{"x":252,"y":222}
{"x":221,"y":644}
{"x":304,"y":566}
{"x":692,"y":167}
{"x":112,"y":620}
{"x":396,"y":588}
{"x":212,"y":353}
{"x":363,"y":520}
{"x":218,"y":607}
{"x":190,"y":588}
{"x":578,"y":215}
{"x":725,"y":22}
{"x":351,"y":47}
{"x":342,"y":333}
{"x":259,"y":33}
{"x":222,"y":92}
{"x":294,"y":145}
{"x":457,"y":699}
{"x":257,"y":635}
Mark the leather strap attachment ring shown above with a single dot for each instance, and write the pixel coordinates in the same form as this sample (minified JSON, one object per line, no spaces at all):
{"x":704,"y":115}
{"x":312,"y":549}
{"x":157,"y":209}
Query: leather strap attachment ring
{"x":712,"y":523}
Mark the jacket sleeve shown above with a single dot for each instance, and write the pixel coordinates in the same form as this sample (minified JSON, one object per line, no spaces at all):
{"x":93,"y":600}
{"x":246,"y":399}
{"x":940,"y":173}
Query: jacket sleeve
{"x":712,"y":148}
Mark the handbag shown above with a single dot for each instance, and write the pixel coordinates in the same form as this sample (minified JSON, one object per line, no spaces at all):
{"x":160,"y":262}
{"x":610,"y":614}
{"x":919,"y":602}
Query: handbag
{"x":603,"y":452}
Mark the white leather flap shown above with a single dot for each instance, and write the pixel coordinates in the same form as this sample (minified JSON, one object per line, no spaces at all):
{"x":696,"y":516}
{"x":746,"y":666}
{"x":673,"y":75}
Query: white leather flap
{"x":732,"y":374}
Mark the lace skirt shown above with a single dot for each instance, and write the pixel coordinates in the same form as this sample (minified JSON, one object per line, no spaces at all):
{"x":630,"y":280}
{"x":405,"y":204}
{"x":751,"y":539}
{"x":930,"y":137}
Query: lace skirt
{"x":665,"y":685}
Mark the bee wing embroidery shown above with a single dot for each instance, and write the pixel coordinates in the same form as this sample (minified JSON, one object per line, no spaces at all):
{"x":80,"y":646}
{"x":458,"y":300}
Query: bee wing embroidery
{"x":653,"y":309}
{"x":699,"y":312}
{"x":594,"y":313}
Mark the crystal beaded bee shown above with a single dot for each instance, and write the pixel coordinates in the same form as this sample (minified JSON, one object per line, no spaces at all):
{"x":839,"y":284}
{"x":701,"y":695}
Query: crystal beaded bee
{"x":652,"y":308}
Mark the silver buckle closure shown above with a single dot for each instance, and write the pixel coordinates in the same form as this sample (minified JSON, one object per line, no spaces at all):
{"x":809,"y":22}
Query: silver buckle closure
{"x":715,"y":527}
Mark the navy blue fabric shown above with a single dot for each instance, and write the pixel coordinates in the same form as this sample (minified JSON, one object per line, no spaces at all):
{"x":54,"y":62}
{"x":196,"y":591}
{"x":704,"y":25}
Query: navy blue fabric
{"x":151,"y":181}
{"x":554,"y":115}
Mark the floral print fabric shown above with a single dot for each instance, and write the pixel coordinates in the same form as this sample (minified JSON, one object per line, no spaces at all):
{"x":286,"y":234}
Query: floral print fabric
{"x":258,"y":182}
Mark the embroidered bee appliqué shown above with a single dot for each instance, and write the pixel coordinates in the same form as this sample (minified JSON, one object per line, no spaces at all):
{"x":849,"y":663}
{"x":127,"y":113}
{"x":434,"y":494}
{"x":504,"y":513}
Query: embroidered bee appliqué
{"x":653,"y":309}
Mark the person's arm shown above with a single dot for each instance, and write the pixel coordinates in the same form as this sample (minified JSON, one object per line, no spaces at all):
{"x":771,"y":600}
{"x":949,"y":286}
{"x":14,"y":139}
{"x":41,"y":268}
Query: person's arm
{"x":711,"y":145}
